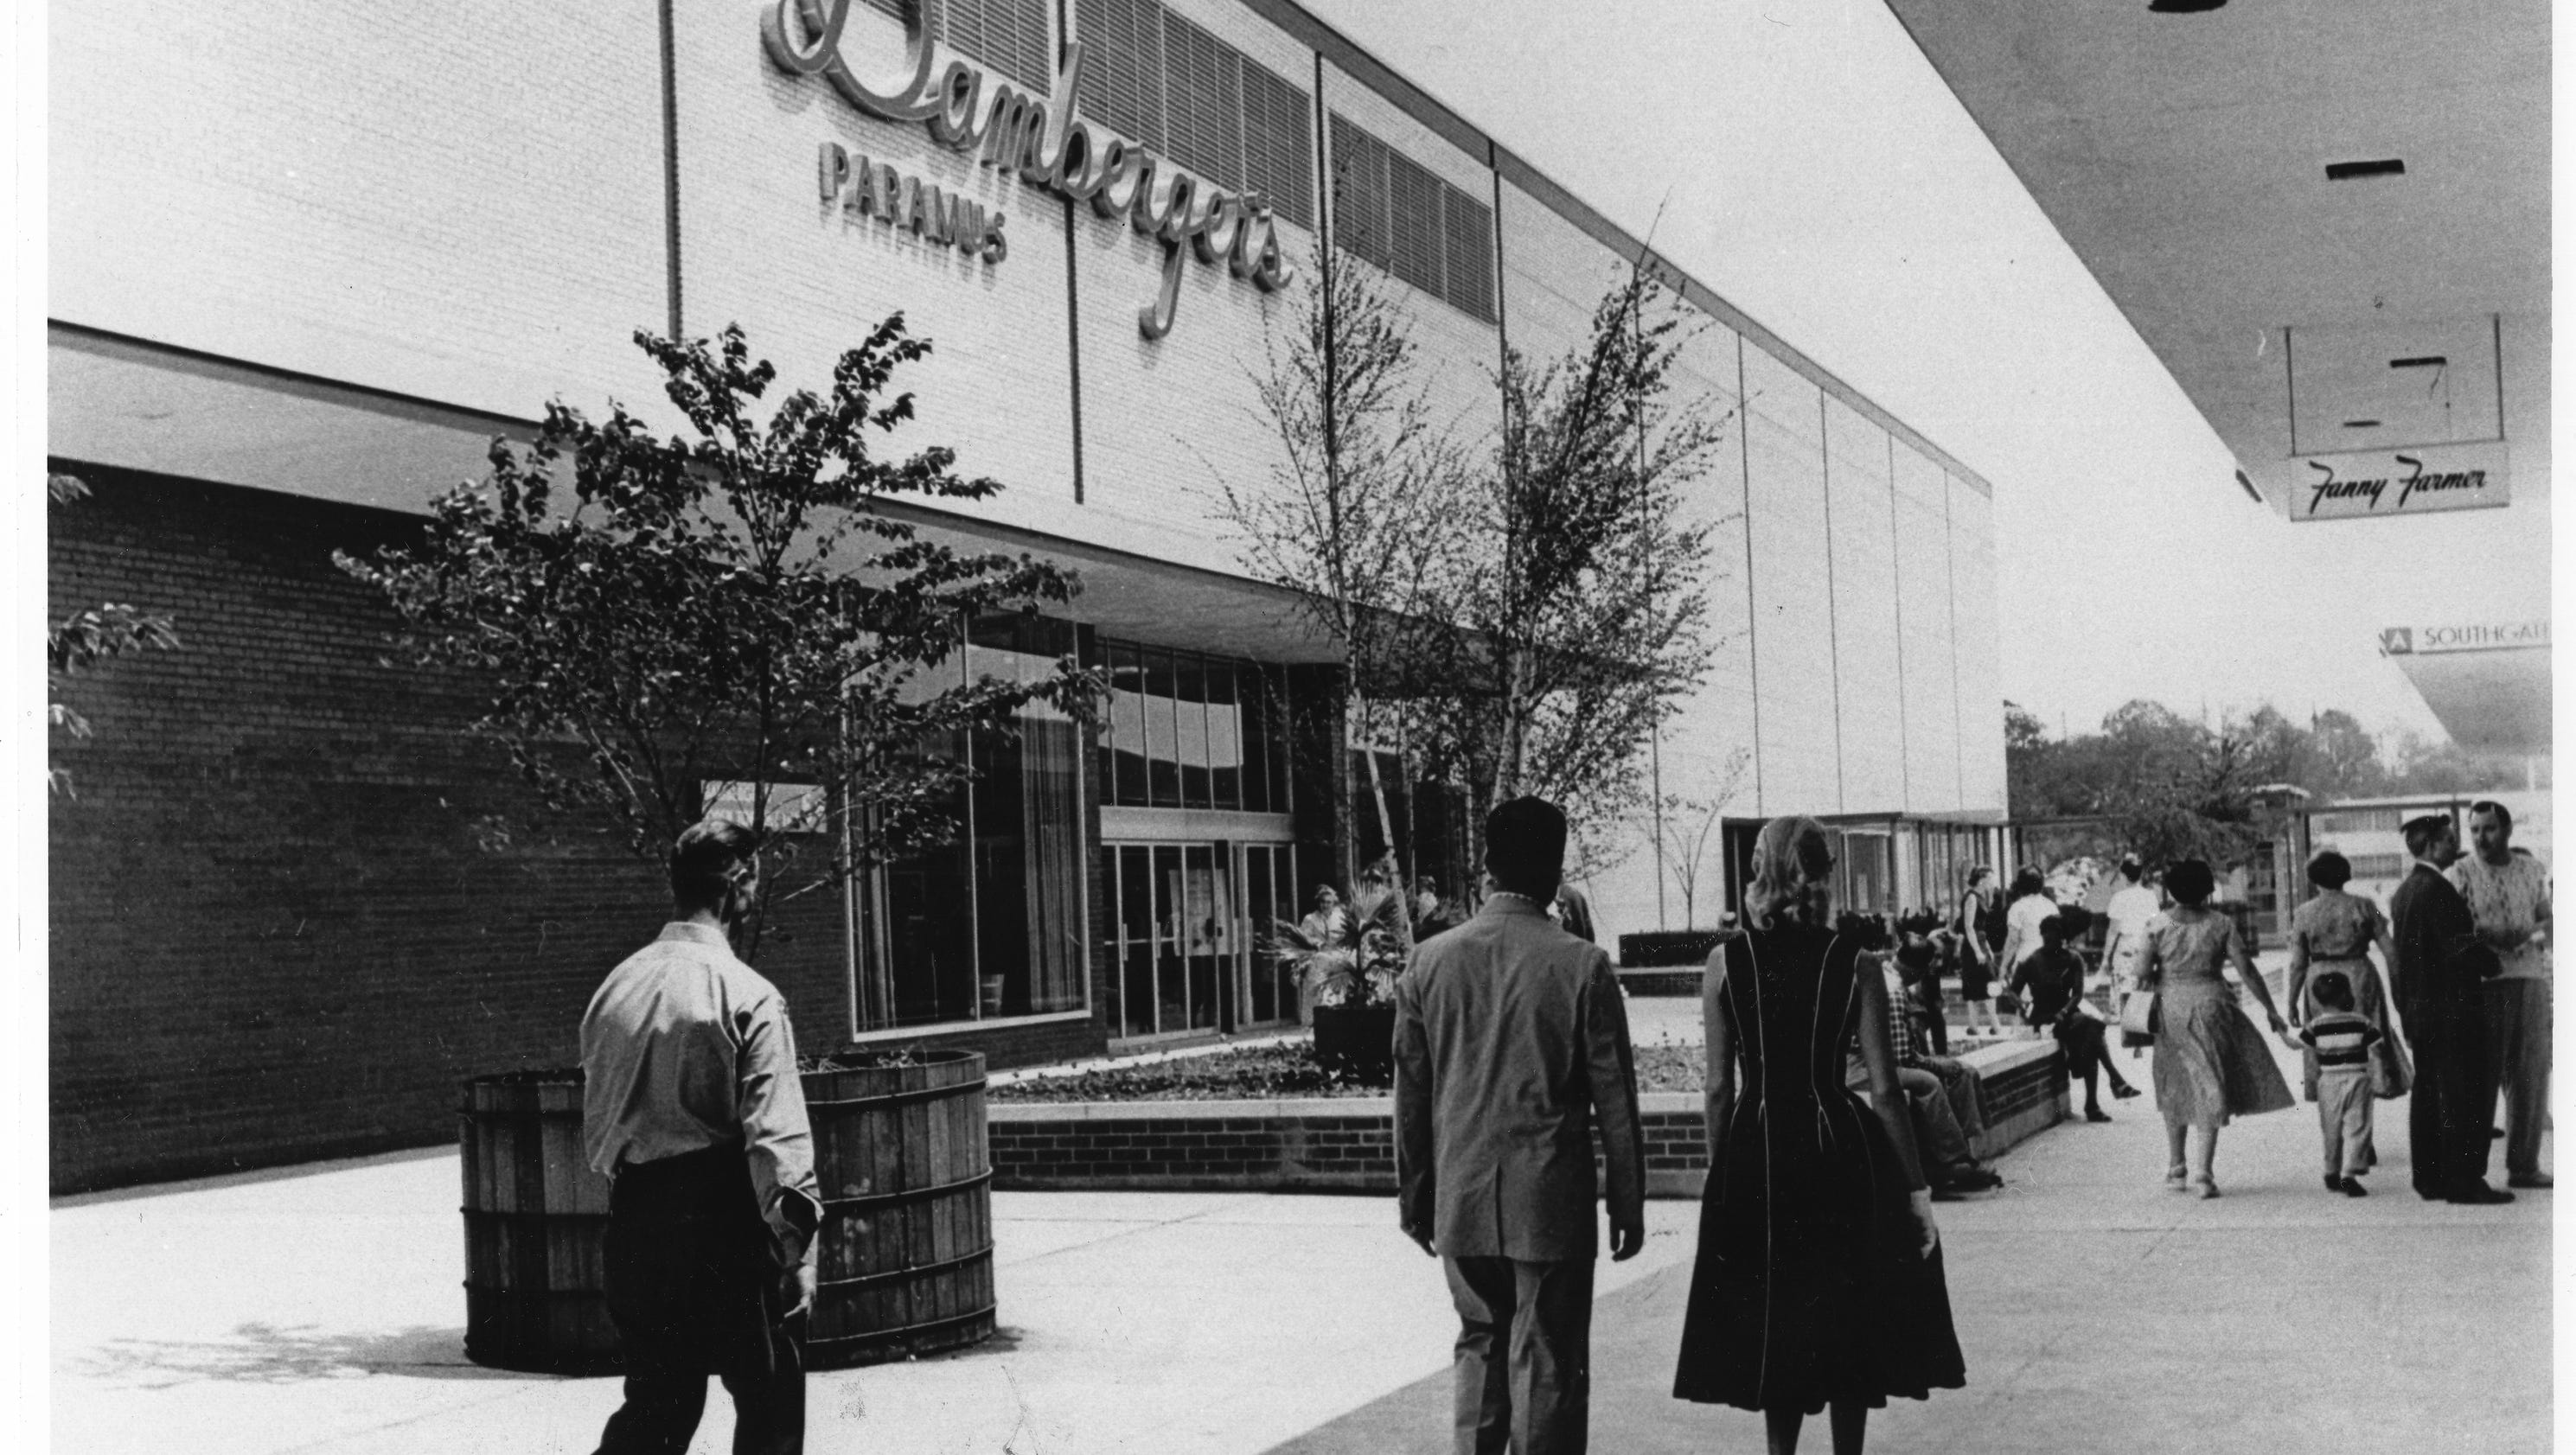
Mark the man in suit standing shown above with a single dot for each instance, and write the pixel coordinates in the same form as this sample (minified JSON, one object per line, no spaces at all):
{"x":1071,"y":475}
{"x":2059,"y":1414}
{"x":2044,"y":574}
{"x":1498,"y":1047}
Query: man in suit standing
{"x":2441,"y":973}
{"x":1510,"y":1037}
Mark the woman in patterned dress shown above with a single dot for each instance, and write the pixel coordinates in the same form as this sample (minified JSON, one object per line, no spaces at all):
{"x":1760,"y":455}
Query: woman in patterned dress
{"x":2335,"y":931}
{"x":2211,"y":1064}
{"x":1818,"y":1282}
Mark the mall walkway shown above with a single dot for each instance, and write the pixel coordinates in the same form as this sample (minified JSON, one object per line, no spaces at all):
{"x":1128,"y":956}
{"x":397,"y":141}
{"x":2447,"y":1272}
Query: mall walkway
{"x":2100,"y":1312}
{"x":320,"y":1310}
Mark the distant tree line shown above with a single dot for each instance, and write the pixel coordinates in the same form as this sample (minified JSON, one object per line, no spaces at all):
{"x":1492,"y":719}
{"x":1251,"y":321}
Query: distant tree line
{"x":2171,"y":786}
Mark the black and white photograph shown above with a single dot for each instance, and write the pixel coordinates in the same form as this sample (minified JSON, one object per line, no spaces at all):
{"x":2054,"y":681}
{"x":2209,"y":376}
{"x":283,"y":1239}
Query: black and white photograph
{"x":1285,"y":727}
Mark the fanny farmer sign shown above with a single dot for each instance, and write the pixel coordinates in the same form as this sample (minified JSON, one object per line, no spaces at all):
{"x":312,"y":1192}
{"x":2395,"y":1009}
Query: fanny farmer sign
{"x":2356,"y":484}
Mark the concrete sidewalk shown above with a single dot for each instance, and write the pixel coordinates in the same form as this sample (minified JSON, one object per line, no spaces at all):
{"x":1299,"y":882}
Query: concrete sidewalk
{"x":2099,"y":1312}
{"x":321,"y":1310}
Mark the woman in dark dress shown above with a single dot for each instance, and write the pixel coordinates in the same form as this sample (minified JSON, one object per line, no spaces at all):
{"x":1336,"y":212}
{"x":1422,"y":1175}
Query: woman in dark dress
{"x":1819,"y":1279}
{"x":1978,"y":946}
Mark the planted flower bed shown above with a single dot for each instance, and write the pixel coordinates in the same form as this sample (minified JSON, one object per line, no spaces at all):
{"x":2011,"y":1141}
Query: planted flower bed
{"x":1271,"y":1118}
{"x":1287,"y":1071}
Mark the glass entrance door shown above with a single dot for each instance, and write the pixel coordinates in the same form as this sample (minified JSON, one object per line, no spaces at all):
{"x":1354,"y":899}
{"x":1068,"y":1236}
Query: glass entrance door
{"x":1270,"y":895}
{"x":1190,"y":917}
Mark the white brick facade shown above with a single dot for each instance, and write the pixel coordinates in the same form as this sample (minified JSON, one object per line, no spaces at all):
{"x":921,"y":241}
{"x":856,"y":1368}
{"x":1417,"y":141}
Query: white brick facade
{"x":467,"y":205}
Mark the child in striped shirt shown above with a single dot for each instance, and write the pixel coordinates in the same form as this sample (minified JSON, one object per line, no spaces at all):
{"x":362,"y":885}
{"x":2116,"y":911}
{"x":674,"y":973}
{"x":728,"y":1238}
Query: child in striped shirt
{"x":2342,"y":1042}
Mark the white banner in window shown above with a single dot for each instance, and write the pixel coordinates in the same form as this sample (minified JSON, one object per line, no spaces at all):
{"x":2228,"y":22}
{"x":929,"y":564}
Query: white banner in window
{"x":794,"y":808}
{"x":2355,"y":484}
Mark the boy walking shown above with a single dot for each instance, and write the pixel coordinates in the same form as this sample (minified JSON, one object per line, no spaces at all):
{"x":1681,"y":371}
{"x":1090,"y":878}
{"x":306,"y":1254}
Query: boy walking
{"x":2342,"y":1039}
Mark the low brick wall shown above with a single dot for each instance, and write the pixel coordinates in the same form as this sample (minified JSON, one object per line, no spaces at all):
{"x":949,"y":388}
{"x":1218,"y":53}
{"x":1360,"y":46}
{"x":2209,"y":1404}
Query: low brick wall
{"x":1679,"y":981}
{"x":1348,"y":1144}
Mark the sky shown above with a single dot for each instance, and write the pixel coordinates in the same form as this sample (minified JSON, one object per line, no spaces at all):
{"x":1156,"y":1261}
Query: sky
{"x":1804,"y":160}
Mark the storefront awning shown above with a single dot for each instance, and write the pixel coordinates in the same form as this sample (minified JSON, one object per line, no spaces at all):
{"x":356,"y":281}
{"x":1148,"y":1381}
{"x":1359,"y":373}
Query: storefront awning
{"x":140,"y":405}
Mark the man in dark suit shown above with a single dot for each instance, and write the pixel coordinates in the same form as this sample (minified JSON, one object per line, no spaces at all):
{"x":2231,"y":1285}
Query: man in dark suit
{"x":1510,"y":1037}
{"x":2441,"y":973}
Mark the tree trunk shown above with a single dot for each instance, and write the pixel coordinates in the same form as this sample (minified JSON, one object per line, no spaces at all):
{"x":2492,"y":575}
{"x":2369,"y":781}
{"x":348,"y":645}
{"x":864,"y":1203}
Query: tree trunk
{"x":1377,"y":791}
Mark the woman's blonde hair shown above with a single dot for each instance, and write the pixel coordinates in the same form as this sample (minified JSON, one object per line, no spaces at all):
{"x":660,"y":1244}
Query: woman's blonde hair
{"x":1792,"y":860}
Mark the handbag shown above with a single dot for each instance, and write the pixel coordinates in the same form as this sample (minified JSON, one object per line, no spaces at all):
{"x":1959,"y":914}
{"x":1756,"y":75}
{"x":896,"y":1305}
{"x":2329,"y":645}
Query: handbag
{"x":2138,"y":1018}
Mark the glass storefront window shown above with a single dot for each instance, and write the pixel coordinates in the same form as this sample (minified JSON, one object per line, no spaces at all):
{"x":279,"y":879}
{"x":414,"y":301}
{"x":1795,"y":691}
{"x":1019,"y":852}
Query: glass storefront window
{"x":1125,"y":781}
{"x":1162,"y":731}
{"x":1189,"y":711}
{"x":991,"y":925}
{"x":1185,"y":730}
{"x":1224,"y":738}
{"x":1252,"y":716}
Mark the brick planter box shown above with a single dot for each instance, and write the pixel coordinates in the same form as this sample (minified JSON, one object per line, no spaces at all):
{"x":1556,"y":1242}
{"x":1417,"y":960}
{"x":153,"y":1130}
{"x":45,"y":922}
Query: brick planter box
{"x":1347,"y":1144}
{"x":1677,"y":949}
{"x":1682,"y":982}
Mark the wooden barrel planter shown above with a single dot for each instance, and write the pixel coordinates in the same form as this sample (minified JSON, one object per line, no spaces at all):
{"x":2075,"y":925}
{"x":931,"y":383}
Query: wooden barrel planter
{"x":534,"y":1215}
{"x":906,"y":1262}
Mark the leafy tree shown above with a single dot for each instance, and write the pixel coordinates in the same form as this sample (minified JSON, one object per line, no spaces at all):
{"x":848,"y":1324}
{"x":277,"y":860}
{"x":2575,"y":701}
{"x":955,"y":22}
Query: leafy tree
{"x":2339,"y":758}
{"x":727,"y":612}
{"x":1566,"y":615}
{"x":1685,"y":828}
{"x":87,"y":640}
{"x":1516,"y":621}
{"x":1350,"y":516}
{"x":2428,"y":767}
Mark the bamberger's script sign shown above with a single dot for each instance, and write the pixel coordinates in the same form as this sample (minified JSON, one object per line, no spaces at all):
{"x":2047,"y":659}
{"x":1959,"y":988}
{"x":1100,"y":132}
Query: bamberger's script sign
{"x":2354,"y":484}
{"x":1044,"y":139}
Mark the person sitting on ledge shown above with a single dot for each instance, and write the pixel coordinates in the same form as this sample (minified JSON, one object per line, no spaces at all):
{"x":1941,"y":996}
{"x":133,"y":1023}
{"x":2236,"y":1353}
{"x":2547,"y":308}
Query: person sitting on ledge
{"x":1916,"y":968}
{"x":1950,"y":1163}
{"x":2051,"y":984}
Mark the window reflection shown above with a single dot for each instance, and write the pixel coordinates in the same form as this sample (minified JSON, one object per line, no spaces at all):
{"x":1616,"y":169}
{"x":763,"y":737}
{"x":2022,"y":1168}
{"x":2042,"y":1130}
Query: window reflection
{"x":1185,"y":730}
{"x":1162,"y":731}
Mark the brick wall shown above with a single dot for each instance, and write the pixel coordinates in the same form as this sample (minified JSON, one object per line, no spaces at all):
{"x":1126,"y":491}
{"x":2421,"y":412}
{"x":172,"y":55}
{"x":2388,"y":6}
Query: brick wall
{"x":1326,"y":1144}
{"x":275,"y":936}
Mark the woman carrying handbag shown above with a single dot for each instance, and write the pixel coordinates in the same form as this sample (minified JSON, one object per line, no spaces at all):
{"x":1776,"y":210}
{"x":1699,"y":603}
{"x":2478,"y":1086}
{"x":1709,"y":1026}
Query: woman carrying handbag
{"x":2211,"y":1064}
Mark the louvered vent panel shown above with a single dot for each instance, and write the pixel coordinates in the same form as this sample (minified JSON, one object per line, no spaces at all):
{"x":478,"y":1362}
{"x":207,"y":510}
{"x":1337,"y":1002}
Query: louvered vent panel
{"x":1122,"y":67}
{"x":962,"y":26}
{"x":1144,"y":71}
{"x":1204,"y":102}
{"x":1277,"y":144}
{"x":1413,"y":199}
{"x":1091,"y":87}
{"x":1033,"y":36}
{"x":1467,"y":228}
{"x":1359,"y":193}
{"x":1229,"y":114}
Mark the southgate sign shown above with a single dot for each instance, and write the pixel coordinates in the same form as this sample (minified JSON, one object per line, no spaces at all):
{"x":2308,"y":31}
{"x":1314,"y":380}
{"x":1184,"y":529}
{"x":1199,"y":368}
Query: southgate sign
{"x":2472,"y":636}
{"x":2355,"y":484}
{"x":1044,"y":140}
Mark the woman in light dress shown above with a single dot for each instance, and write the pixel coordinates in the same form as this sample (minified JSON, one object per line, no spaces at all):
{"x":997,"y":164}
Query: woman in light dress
{"x":2211,"y":1065}
{"x":2335,"y":931}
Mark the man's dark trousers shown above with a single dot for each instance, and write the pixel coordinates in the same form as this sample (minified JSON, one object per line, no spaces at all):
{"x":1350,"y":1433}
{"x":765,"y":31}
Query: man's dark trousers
{"x":1524,"y":1354}
{"x":692,"y":1285}
{"x":2453,"y":1103}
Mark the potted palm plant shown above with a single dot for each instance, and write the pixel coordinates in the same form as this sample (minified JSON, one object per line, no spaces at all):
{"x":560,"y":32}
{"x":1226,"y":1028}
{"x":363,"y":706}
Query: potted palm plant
{"x":1347,"y":965}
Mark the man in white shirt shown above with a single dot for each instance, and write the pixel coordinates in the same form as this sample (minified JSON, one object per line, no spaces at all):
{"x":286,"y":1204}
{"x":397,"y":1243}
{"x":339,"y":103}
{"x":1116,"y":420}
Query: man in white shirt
{"x":693,"y":1107}
{"x":2131,"y":906}
{"x":2508,"y":893}
{"x":2026,"y":908}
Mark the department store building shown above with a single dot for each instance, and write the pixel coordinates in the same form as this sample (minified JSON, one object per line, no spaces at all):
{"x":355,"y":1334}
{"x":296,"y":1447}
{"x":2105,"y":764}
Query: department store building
{"x":307,"y":260}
